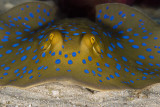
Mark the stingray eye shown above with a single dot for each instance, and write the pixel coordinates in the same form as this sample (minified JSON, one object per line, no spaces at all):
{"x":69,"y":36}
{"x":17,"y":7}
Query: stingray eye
{"x":51,"y":36}
{"x":92,"y":40}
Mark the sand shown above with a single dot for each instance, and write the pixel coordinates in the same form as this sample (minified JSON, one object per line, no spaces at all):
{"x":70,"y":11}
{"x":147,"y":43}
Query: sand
{"x":63,"y":94}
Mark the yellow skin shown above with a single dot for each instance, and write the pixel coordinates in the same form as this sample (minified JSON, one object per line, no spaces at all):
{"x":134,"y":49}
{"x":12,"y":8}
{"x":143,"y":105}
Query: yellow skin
{"x":96,"y":56}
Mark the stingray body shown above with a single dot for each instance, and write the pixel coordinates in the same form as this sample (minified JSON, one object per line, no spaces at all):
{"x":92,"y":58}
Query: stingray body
{"x":120,"y":50}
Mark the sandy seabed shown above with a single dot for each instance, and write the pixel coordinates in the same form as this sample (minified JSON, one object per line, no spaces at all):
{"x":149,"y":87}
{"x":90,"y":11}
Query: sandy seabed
{"x":63,"y":94}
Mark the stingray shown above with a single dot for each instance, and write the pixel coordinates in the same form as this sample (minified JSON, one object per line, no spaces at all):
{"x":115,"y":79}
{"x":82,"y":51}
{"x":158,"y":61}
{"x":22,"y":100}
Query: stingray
{"x":120,"y":50}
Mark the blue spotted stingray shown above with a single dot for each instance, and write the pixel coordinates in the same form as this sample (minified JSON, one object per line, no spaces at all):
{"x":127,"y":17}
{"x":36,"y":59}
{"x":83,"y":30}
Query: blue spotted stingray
{"x":118,"y":51}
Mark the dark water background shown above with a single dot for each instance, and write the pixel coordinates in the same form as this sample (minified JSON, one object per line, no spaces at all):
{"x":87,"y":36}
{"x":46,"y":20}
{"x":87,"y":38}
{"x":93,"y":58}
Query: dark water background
{"x":86,"y":8}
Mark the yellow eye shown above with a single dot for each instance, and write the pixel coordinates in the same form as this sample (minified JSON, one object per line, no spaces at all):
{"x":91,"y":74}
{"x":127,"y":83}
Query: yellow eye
{"x":51,"y":36}
{"x":92,"y":40}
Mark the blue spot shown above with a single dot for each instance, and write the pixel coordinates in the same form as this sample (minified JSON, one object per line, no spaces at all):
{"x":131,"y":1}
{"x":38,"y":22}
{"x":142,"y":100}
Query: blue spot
{"x":13,"y":61}
{"x":135,"y":46}
{"x":119,"y":45}
{"x":44,"y":20}
{"x":100,"y":80}
{"x":149,"y":50}
{"x":99,"y":69}
{"x":44,"y":10}
{"x":18,"y":33}
{"x":6,"y":68}
{"x":120,"y":23}
{"x":31,"y":15}
{"x":43,"y":54}
{"x":120,"y":32}
{"x":125,"y":37}
{"x":111,"y":76}
{"x":30,"y":77}
{"x":145,"y":73}
{"x":118,"y":66}
{"x":34,"y":57}
{"x":57,"y":69}
{"x":4,"y":40}
{"x":126,"y":69}
{"x":60,"y":52}
{"x":5,"y":74}
{"x":107,"y":65}
{"x":144,"y":44}
{"x":8,"y":52}
{"x":8,"y":33}
{"x":28,"y":26}
{"x":124,"y":58}
{"x":110,"y":48}
{"x":140,"y":63}
{"x":120,"y":12}
{"x":155,"y":38}
{"x":98,"y":16}
{"x":38,"y":10}
{"x":115,"y":26}
{"x":100,"y":11}
{"x":27,"y":6}
{"x":109,"y":55}
{"x":89,"y":58}
{"x":131,"y":40}
{"x":1,"y":28}
{"x":18,"y":37}
{"x":107,"y":8}
{"x":123,"y":15}
{"x":117,"y":74}
{"x":40,"y":24}
{"x":24,"y":68}
{"x":141,"y":57}
{"x":24,"y":71}
{"x":48,"y":14}
{"x":131,"y":81}
{"x":112,"y":17}
{"x":84,"y":61}
{"x":19,"y":18}
{"x":158,"y":65}
{"x":97,"y":64}
{"x":23,"y":57}
{"x":30,"y":71}
{"x":145,"y":37}
{"x":152,"y":57}
{"x":93,"y":72}
{"x":29,"y":47}
{"x":16,"y":70}
{"x":39,"y":68}
{"x":15,"y":45}
{"x":136,"y":34}
{"x":132,"y":15}
{"x":15,"y":19}
{"x":106,"y":16}
{"x":69,"y":70}
{"x":107,"y":78}
{"x":1,"y":47}
{"x":86,"y":71}
{"x":1,"y":55}
{"x":70,"y":62}
{"x":46,"y":67}
{"x":65,"y":55}
{"x":129,"y":30}
{"x":26,"y":19}
{"x":133,"y":73}
{"x":65,"y":33}
{"x":74,"y":54}
{"x":58,"y":61}
{"x":75,"y":34}
{"x":53,"y":54}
